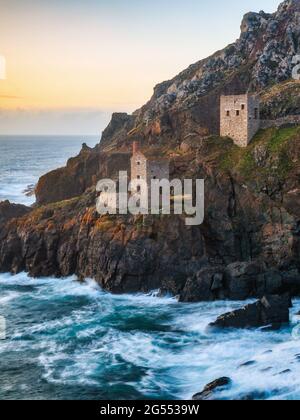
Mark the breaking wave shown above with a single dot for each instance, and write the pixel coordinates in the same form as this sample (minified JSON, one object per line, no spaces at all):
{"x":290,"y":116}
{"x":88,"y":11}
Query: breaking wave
{"x":67,"y":339}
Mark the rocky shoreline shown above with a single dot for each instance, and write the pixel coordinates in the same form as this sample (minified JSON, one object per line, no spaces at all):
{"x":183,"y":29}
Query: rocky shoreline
{"x":249,"y":243}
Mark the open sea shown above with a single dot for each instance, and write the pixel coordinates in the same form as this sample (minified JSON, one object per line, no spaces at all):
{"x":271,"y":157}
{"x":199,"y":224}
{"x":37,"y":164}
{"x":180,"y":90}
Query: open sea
{"x":71,"y":340}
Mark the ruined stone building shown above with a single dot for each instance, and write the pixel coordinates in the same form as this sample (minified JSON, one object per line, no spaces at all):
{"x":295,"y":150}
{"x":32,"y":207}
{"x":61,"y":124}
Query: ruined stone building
{"x":148,"y":166}
{"x":240,"y":118}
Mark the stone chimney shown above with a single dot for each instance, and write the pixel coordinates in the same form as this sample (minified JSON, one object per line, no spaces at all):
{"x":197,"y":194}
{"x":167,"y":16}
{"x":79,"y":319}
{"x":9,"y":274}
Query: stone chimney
{"x":135,"y":147}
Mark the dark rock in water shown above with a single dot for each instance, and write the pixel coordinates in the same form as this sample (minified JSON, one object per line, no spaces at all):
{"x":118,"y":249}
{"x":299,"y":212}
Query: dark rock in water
{"x":254,"y":396}
{"x":266,"y":369}
{"x":270,"y":310}
{"x":210,"y":389}
{"x":284,"y":372}
{"x":247,"y":364}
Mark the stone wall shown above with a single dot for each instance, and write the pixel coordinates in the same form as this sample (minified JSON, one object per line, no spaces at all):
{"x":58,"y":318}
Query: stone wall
{"x":234,"y":118}
{"x":139,"y":167}
{"x":239,"y":118}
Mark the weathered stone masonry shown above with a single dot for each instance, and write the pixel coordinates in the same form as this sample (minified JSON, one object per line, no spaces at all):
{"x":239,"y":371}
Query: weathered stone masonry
{"x":147,"y":167}
{"x":240,"y":118}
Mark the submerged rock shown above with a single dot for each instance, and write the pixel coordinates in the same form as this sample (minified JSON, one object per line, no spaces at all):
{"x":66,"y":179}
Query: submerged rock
{"x":211,"y":388}
{"x":269,"y":311}
{"x":252,"y":396}
{"x":247,"y":364}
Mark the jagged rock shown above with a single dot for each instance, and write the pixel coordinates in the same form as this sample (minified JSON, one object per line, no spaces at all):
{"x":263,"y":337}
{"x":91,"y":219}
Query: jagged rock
{"x":203,"y":286}
{"x":270,"y":310}
{"x":10,"y":211}
{"x":210,"y":389}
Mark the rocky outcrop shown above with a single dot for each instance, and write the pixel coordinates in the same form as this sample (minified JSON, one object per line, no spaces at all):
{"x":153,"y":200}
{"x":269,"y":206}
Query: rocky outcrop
{"x":210,"y":390}
{"x":10,"y":211}
{"x":80,"y":174}
{"x":119,"y":128}
{"x":270,"y":311}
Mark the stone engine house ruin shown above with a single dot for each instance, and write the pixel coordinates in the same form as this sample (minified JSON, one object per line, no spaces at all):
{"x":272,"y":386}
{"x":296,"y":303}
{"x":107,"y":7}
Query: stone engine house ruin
{"x":148,"y":166}
{"x":240,"y":118}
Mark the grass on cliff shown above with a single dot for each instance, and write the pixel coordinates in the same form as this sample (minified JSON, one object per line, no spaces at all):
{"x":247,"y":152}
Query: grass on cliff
{"x":269,"y":154}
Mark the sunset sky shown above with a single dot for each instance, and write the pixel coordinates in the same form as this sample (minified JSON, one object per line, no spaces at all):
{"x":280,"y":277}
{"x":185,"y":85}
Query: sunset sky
{"x":70,"y":63}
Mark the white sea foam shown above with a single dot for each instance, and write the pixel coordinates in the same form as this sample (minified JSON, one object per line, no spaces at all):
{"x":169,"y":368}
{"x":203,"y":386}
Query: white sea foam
{"x":79,"y":335}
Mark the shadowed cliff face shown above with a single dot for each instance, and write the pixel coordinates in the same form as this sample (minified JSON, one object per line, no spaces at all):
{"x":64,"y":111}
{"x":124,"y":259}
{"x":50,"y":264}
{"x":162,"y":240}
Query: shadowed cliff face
{"x":10,"y":211}
{"x":247,"y":246}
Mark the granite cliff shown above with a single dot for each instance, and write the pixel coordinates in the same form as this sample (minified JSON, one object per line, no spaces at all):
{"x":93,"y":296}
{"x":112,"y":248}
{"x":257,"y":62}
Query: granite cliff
{"x":249,"y":242}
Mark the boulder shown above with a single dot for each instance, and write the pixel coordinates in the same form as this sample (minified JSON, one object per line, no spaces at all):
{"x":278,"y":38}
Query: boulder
{"x":203,"y":286}
{"x":211,"y":388}
{"x":241,"y":277}
{"x":269,"y":311}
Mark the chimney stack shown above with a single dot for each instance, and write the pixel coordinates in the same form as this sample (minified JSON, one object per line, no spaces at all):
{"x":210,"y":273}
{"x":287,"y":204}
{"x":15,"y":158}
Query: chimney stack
{"x":135,"y":147}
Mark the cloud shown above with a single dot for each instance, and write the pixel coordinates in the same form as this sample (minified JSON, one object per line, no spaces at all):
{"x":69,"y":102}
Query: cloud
{"x":53,"y":122}
{"x":9,"y":97}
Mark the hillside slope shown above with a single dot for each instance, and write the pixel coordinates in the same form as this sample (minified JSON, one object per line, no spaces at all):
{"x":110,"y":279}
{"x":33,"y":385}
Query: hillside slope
{"x":187,"y":107}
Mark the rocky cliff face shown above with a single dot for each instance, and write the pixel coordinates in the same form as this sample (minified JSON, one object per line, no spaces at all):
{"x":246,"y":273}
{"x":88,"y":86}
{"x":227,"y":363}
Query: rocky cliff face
{"x":262,"y":55}
{"x":249,"y":243}
{"x":247,"y":246}
{"x":188,"y":105}
{"x":10,"y":211}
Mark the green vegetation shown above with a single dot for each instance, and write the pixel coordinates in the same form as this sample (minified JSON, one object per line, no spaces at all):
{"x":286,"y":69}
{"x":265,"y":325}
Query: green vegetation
{"x":269,"y":154}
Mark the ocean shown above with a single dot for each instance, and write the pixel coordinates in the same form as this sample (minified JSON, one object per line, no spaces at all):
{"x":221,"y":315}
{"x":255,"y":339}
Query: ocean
{"x":71,"y":340}
{"x":23,"y":159}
